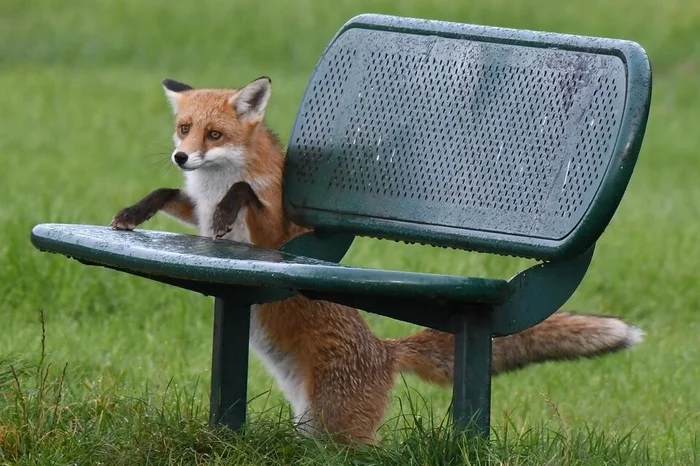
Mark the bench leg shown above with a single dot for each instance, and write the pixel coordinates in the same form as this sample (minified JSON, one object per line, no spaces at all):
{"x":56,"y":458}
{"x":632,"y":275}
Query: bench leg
{"x":229,"y":371}
{"x":472,"y":371}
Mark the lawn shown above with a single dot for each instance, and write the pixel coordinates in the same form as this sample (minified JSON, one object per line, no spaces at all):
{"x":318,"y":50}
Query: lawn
{"x":86,"y":131}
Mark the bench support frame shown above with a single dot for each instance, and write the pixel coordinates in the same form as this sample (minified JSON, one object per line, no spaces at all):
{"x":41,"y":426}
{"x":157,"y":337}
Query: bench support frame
{"x":471,"y":405}
{"x":229,"y":369}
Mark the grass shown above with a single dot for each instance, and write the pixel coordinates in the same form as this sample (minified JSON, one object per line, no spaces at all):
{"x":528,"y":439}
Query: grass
{"x":112,"y":429}
{"x":123,"y":374}
{"x":45,"y":423}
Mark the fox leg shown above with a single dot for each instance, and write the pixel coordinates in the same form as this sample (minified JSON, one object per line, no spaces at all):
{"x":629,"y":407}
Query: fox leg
{"x":350,"y":410}
{"x":174,"y":202}
{"x":349,"y":395}
{"x":334,"y":371}
{"x":239,"y":195}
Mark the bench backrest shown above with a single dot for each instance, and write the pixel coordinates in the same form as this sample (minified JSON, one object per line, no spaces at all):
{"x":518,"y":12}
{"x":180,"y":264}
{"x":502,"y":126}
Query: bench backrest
{"x":480,"y":138}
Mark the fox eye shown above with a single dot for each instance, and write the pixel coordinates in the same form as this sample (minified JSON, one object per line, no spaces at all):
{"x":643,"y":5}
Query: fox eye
{"x":214,"y":135}
{"x":184,"y":129}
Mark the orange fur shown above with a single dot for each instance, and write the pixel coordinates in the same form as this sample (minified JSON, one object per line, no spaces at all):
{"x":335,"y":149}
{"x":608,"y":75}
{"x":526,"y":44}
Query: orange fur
{"x":182,"y":209}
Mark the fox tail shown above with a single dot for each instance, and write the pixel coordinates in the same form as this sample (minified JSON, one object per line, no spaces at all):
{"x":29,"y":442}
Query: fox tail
{"x":564,"y":335}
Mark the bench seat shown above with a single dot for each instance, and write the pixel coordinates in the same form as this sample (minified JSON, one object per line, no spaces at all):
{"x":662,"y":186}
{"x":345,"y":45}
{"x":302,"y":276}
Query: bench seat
{"x":220,"y":264}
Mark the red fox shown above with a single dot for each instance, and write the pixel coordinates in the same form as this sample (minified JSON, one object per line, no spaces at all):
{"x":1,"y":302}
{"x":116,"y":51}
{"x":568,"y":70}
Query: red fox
{"x":336,"y":374}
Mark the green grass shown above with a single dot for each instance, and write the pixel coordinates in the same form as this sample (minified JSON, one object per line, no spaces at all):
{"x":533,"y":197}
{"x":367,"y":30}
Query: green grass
{"x":85,"y":131}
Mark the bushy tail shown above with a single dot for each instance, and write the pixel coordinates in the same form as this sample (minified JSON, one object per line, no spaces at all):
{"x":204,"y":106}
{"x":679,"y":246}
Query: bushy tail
{"x":564,"y":335}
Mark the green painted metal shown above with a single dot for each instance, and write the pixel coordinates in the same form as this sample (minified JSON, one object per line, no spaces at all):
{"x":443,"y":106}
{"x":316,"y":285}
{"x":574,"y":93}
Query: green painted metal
{"x":488,"y":139}
{"x":329,"y":247}
{"x":229,"y":370}
{"x":426,"y":311}
{"x":196,"y":258}
{"x":471,"y":402}
{"x":249,"y":294}
{"x":538,"y":292}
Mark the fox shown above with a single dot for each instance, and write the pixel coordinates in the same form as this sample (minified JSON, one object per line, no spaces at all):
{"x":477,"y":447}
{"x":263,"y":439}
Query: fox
{"x":334,"y":371}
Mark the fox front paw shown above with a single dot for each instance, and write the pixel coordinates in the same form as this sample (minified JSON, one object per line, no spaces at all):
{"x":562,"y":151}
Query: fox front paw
{"x":222,"y":223}
{"x":124,"y":220}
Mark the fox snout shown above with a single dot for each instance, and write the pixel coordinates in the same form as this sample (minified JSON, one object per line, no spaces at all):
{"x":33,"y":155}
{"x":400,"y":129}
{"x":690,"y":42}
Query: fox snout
{"x":180,"y":158}
{"x":188,"y":161}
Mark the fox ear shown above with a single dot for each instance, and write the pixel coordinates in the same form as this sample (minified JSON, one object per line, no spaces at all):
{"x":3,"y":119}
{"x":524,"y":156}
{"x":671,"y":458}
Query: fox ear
{"x":172,"y":91}
{"x":250,"y":102}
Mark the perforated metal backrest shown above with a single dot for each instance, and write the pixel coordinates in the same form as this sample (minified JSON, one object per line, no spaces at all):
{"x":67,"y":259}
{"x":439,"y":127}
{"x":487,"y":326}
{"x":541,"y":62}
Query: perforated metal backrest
{"x":513,"y":142}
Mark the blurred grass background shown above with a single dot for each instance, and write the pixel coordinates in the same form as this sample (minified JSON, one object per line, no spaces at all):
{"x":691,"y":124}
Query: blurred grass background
{"x":86,"y":131}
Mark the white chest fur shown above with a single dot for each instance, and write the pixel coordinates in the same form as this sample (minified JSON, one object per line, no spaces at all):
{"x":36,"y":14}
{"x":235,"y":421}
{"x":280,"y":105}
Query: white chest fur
{"x":283,"y":368}
{"x":207,"y":188}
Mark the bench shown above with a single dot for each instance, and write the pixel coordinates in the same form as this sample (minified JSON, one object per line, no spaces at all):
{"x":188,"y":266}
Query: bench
{"x":486,"y":139}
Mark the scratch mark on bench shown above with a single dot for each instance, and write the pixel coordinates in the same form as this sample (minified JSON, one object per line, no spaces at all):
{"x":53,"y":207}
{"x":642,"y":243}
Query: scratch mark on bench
{"x":566,"y":178}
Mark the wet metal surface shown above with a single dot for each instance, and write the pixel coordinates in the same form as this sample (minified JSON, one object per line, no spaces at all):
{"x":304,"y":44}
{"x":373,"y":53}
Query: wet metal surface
{"x":221,"y":261}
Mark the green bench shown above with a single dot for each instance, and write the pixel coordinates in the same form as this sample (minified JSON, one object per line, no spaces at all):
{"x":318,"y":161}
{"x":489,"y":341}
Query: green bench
{"x":486,"y":139}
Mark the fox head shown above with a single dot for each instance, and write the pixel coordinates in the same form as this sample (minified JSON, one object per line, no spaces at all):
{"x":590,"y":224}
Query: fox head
{"x":213,"y":127}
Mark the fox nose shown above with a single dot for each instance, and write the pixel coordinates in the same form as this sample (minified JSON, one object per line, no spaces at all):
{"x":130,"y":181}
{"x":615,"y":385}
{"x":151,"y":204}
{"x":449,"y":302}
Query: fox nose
{"x":180,"y":158}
